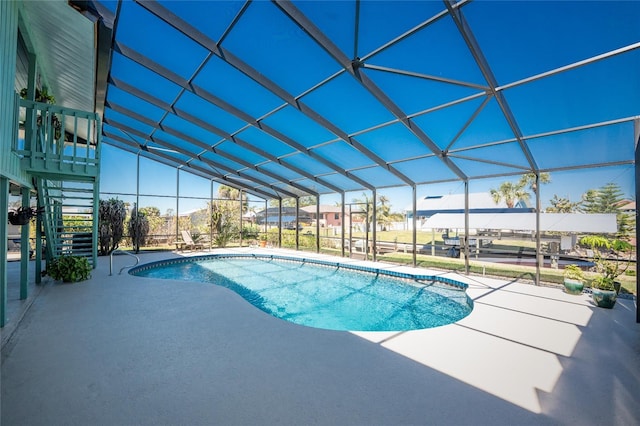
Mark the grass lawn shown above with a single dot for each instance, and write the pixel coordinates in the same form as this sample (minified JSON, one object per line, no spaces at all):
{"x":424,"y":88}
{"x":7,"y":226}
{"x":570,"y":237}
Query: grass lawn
{"x":391,"y":236}
{"x":547,"y":275}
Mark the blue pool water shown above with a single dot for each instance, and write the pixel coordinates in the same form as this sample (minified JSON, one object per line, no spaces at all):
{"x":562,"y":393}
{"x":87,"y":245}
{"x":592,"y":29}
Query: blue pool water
{"x":323,"y":294}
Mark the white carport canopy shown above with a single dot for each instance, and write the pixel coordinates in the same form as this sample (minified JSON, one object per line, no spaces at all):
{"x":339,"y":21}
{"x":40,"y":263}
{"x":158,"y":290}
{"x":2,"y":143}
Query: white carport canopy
{"x":561,"y":222}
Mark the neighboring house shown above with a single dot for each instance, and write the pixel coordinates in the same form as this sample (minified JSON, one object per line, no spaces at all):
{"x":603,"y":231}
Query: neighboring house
{"x":329,"y":215}
{"x":627,"y":206}
{"x":288,"y":216}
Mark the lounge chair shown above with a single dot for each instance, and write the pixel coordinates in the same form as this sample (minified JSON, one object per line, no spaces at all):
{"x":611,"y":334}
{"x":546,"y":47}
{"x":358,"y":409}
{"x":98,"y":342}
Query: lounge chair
{"x":187,"y":242}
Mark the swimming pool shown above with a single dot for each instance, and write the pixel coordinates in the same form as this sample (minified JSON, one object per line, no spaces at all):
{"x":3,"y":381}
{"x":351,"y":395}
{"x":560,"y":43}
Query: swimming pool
{"x":323,"y":294}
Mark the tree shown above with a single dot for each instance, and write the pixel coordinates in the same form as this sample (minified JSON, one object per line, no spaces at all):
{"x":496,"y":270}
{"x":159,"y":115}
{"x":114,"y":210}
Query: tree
{"x":307,"y":200}
{"x":225,"y":215}
{"x":111,"y":215}
{"x":230,"y":193}
{"x":603,"y":200}
{"x":509,"y":192}
{"x":138,"y":228}
{"x":156,"y":222}
{"x":608,"y":199}
{"x":383,"y":214}
{"x":169,"y":227}
{"x":529,"y":179}
{"x":512,"y":192}
{"x":364,"y":205}
{"x":562,"y":205}
{"x":383,"y":210}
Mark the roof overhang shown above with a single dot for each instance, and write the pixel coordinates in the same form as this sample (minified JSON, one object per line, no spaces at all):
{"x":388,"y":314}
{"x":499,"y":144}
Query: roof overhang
{"x":64,"y":42}
{"x":556,"y":222}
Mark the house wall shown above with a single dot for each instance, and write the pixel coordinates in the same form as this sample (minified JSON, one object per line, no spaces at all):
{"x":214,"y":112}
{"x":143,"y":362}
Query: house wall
{"x":330,"y":219}
{"x":9,"y":162}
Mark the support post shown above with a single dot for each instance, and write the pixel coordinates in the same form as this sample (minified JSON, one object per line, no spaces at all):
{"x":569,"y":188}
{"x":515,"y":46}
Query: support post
{"x":210,"y":213}
{"x":414,"y":233}
{"x":466,"y":227}
{"x":280,"y":222}
{"x":538,"y":245}
{"x":343,"y":223}
{"x":95,"y":225}
{"x":365,"y":246}
{"x":636,"y":129}
{"x":350,"y":231}
{"x":317,"y":224}
{"x":374,"y":245}
{"x":137,"y":193}
{"x":177,"y":230}
{"x":433,"y":242}
{"x":138,"y":180}
{"x":38,"y":268}
{"x":24,"y":248}
{"x":4,"y":218}
{"x":241,"y":212}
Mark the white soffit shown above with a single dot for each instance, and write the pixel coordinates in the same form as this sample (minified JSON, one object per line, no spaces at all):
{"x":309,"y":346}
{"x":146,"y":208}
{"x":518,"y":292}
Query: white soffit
{"x":64,"y":42}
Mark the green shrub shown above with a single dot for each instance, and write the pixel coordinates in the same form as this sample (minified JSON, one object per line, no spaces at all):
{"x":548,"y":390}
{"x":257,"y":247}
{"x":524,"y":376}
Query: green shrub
{"x":69,"y":269}
{"x":112,"y":213}
{"x":139,"y":228}
{"x":250,"y":232}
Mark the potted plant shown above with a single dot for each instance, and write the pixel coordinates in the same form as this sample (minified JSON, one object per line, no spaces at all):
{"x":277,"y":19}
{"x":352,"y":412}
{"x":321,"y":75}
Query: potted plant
{"x":43,"y":96}
{"x":573,"y":279}
{"x":22,"y":215}
{"x":609,"y":265}
{"x":69,"y":269}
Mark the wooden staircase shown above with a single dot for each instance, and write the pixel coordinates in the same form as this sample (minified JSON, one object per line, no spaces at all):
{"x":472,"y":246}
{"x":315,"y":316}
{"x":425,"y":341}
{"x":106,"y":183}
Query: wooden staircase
{"x":70,"y":217}
{"x":59,"y":147}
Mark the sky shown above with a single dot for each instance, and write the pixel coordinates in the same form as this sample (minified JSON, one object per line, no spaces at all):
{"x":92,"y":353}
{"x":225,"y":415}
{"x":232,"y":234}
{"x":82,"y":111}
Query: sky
{"x":160,"y":180}
{"x":518,"y":39}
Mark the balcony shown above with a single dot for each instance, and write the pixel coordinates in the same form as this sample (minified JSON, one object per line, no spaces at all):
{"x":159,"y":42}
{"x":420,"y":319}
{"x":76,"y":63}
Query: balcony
{"x":54,"y":141}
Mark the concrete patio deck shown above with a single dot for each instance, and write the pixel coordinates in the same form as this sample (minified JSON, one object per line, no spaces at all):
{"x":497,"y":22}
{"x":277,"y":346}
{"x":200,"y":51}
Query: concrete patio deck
{"x":123,"y":350}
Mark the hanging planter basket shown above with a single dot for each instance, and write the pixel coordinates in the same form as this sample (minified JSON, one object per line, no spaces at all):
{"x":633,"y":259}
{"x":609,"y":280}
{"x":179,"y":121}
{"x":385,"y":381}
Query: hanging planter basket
{"x":22,"y":215}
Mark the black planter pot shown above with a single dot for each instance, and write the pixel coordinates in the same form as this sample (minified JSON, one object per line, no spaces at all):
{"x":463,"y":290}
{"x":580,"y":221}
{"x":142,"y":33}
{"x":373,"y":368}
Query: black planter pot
{"x":20,"y":218}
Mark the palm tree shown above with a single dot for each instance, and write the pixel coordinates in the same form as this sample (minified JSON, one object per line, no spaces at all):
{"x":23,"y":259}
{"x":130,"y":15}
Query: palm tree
{"x":383,"y":212}
{"x":529,"y":179}
{"x":509,"y":192}
{"x":514,"y":192}
{"x":365,"y":205}
{"x":229,"y":193}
